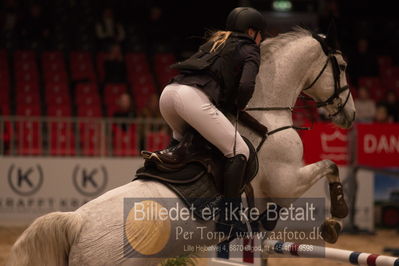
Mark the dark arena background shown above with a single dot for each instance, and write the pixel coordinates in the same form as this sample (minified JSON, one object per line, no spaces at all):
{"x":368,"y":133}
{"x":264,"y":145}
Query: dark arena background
{"x":79,"y":89}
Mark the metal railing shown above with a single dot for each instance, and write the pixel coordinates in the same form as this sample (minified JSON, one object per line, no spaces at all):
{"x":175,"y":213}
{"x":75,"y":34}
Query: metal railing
{"x":49,"y":136}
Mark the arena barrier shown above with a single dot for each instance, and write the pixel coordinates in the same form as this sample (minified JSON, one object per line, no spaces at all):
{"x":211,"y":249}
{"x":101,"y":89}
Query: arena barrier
{"x":311,"y":251}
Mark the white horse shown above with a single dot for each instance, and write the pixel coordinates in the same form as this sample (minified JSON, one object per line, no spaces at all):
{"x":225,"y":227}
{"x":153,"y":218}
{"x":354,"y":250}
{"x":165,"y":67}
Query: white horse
{"x":98,"y":233}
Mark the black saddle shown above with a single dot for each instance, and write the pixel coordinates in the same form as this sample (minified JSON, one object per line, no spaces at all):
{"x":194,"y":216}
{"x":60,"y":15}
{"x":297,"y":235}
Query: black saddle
{"x":199,"y":182}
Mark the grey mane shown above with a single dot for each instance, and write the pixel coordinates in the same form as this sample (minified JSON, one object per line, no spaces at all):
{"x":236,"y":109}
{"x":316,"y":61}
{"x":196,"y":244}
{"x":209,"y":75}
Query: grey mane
{"x":269,"y":46}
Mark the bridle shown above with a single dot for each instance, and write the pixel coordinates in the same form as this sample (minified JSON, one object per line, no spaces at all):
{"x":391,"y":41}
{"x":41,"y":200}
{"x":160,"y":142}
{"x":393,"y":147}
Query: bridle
{"x":330,"y":53}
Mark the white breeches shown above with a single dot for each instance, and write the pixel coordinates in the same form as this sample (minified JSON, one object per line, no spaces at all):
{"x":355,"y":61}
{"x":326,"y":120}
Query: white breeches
{"x":182,"y":106}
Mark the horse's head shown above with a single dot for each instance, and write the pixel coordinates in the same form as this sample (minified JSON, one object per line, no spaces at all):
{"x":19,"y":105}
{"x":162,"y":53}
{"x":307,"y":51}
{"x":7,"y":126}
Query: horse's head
{"x":327,"y":84}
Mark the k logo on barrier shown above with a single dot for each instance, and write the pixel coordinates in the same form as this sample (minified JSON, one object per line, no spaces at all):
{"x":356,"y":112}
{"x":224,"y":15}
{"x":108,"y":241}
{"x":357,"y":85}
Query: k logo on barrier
{"x":90,"y":181}
{"x":25,"y":181}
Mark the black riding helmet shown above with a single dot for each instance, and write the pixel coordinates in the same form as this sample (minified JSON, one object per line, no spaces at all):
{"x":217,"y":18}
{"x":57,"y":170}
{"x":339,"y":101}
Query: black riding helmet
{"x":241,"y":19}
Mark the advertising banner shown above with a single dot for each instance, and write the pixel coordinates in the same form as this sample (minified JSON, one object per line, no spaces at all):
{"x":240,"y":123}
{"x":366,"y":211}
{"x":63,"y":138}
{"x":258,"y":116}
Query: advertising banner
{"x":325,"y":141}
{"x":378,"y":145}
{"x":31,"y":187}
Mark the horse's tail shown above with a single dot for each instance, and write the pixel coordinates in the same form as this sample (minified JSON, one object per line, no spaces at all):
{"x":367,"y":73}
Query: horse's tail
{"x":47,"y":241}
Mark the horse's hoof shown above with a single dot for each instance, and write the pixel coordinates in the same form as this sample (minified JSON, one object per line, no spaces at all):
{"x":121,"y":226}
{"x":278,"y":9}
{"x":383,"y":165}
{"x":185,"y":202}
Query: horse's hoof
{"x":339,"y":208}
{"x":330,"y":230}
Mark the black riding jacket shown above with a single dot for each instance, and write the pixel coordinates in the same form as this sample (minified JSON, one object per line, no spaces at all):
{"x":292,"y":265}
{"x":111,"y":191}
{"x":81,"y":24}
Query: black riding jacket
{"x":229,"y":78}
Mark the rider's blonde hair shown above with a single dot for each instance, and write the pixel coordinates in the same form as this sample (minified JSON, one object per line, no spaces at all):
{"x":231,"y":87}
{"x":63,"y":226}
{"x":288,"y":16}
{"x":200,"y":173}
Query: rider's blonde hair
{"x":219,"y":39}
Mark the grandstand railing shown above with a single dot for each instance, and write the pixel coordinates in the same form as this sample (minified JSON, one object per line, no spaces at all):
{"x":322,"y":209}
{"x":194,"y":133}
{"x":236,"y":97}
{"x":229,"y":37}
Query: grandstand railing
{"x":46,"y":136}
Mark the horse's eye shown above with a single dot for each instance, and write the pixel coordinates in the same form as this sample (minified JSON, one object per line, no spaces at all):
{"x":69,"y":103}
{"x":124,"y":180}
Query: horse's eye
{"x":342,"y":67}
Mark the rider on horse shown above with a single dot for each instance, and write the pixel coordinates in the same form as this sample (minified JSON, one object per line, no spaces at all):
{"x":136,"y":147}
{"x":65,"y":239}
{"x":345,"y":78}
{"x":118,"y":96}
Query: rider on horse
{"x":218,"y":79}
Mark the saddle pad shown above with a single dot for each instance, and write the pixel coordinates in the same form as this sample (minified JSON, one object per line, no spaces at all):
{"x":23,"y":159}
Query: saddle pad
{"x":187,"y":174}
{"x":194,"y":184}
{"x":200,"y":193}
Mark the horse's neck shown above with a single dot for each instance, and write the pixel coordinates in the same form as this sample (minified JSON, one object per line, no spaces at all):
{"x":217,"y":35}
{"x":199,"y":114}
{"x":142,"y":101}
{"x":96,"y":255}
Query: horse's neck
{"x":280,"y":80}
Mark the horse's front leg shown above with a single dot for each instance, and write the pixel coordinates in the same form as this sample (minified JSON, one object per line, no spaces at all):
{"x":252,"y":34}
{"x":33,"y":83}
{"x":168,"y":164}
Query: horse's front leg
{"x":310,"y":174}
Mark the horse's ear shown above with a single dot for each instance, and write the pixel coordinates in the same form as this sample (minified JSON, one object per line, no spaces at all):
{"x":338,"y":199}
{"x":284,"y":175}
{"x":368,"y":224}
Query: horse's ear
{"x":332,"y":36}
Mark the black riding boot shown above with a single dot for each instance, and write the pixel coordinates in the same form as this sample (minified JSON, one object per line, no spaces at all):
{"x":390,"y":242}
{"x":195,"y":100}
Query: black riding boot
{"x":230,"y":215}
{"x":173,"y":142}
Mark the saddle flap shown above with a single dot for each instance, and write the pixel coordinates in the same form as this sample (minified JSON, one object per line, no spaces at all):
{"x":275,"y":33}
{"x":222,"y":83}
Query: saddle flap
{"x":187,"y":174}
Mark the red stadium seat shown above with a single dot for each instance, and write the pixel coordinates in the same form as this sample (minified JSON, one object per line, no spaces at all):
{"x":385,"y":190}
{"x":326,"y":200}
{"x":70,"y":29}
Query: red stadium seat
{"x":112,"y":92}
{"x":111,"y":97}
{"x":164,"y":59}
{"x":389,"y":72}
{"x":163,"y":71}
{"x":141,"y":101}
{"x":28,"y":98}
{"x":56,"y":87}
{"x":112,"y":108}
{"x":124,"y":140}
{"x":83,"y":72}
{"x":4,"y":70}
{"x":4,"y":75}
{"x":100,"y":65}
{"x":27,"y":87}
{"x":392,"y":83}
{"x":28,"y":110}
{"x":26,"y":71}
{"x":59,"y":111}
{"x":87,"y":94}
{"x":114,"y":89}
{"x":49,"y":57}
{"x":7,"y":134}
{"x":165,"y":75}
{"x":3,"y":54}
{"x":28,"y":75}
{"x":162,"y":67}
{"x":78,"y":57}
{"x":4,"y":95}
{"x":81,"y":66}
{"x":91,"y":138}
{"x":4,"y":109}
{"x":136,"y":65}
{"x":88,"y":99}
{"x":384,"y":62}
{"x":89,"y":111}
{"x":142,"y":90}
{"x":54,"y":67}
{"x":58,"y":99}
{"x":57,"y":95}
{"x":87,"y":87}
{"x":25,"y":66}
{"x":29,"y":138}
{"x":156,"y":141}
{"x":136,"y":58}
{"x":137,"y":71}
{"x":146,"y":80}
{"x":50,"y":95}
{"x":55,"y":76}
{"x":62,"y":138}
{"x":24,"y":56}
{"x":374,"y":85}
